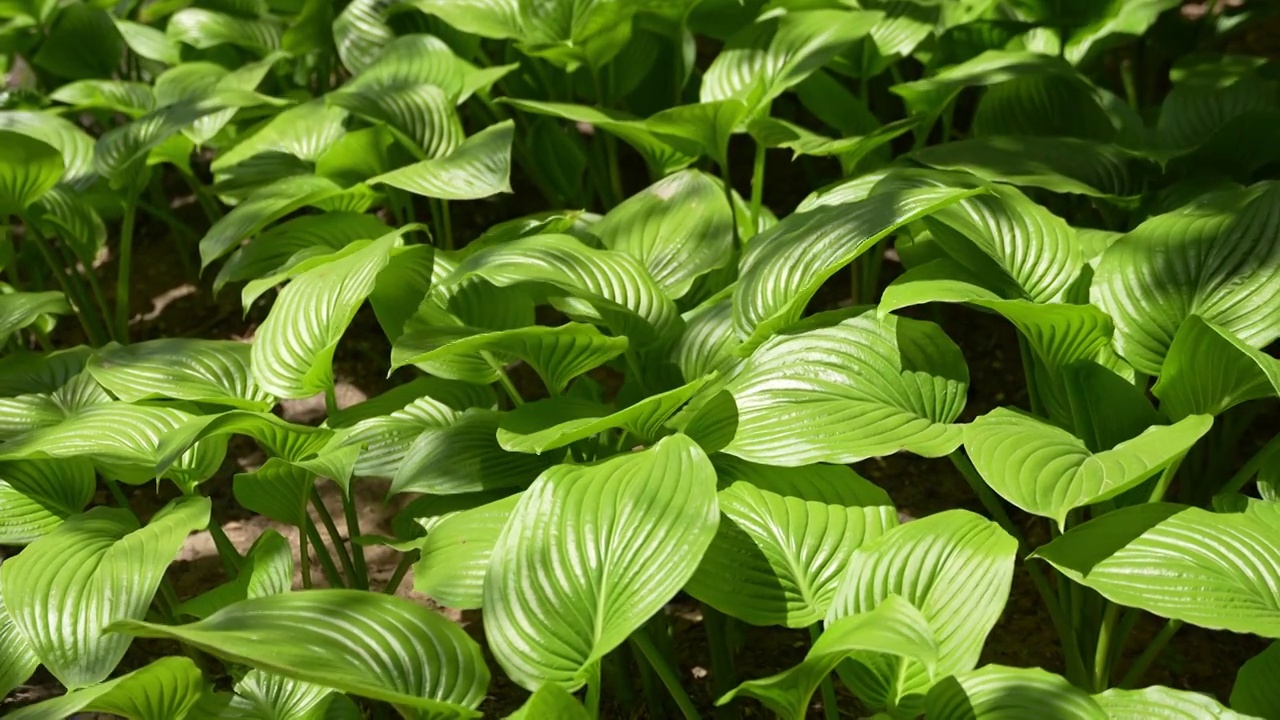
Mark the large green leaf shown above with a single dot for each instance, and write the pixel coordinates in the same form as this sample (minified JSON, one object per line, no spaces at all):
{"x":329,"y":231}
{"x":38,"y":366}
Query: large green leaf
{"x":260,"y":209}
{"x":289,"y":243}
{"x":455,"y":555}
{"x":785,"y":539}
{"x":148,"y":42}
{"x":359,"y":642}
{"x":1156,"y":557}
{"x":610,"y":287}
{"x":784,"y":266}
{"x":1218,"y":258}
{"x":1209,"y":370}
{"x":1004,"y":693}
{"x":293,"y":350}
{"x":1162,"y":703}
{"x":18,"y":660}
{"x":20,"y":309}
{"x":122,"y":440}
{"x":464,"y":457}
{"x":550,"y":701}
{"x":478,"y":168}
{"x":571,"y":33}
{"x":1047,"y":471}
{"x":38,"y":390}
{"x":74,"y":143}
{"x":1057,"y":164}
{"x":956,"y":568}
{"x":680,"y":228}
{"x":65,"y":588}
{"x":866,"y":387}
{"x":203,"y":29}
{"x":304,"y":132}
{"x":928,"y":96}
{"x":28,"y":169}
{"x":1124,"y":19}
{"x":164,"y":690}
{"x":126,"y":97}
{"x":558,"y":354}
{"x":82,"y":43}
{"x":422,"y":114}
{"x":708,"y":341}
{"x":1255,"y":691}
{"x":848,"y":150}
{"x":37,"y":495}
{"x":208,"y":371}
{"x":893,"y":628}
{"x":571,"y":576}
{"x":760,"y":62}
{"x":556,"y":422}
{"x":267,"y":569}
{"x":1049,"y":105}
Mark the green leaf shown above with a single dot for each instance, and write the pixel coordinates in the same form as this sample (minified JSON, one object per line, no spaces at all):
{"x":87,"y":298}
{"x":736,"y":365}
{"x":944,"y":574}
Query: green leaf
{"x":930,"y":95}
{"x":1255,"y":691}
{"x":360,"y":32}
{"x":284,"y":246}
{"x":1208,"y":370}
{"x":304,"y":132}
{"x":1052,"y":105}
{"x":148,"y":42}
{"x":785,"y":540}
{"x":37,"y":390}
{"x":1003,"y":693}
{"x":1057,"y":164}
{"x":708,"y":342}
{"x":550,"y":701}
{"x":165,"y":689}
{"x":120,"y":149}
{"x":293,"y":350}
{"x":558,"y":354}
{"x":956,"y":568}
{"x":496,"y":19}
{"x":18,"y":660}
{"x":700,"y":128}
{"x":850,"y":151}
{"x":612,"y":288}
{"x":1047,"y":471}
{"x":570,"y":33}
{"x":866,"y":387}
{"x":557,"y":422}
{"x":571,"y":578}
{"x":82,"y":43}
{"x":37,"y":495}
{"x":96,"y":568}
{"x":76,"y":146}
{"x":1228,"y":583}
{"x":663,"y":154}
{"x":680,"y":228}
{"x":28,"y":169}
{"x":893,"y":628}
{"x":478,"y":168}
{"x":455,"y":555}
{"x":422,"y":115}
{"x":267,"y":569}
{"x":783,"y":267}
{"x":261,"y":209}
{"x":1125,"y":20}
{"x":128,"y":98}
{"x":358,"y":642}
{"x":278,"y":490}
{"x":20,"y":309}
{"x":761,"y":61}
{"x":123,"y":440}
{"x":261,"y":695}
{"x":464,"y":457}
{"x":1162,"y":703}
{"x":203,"y":29}
{"x":1217,"y":258}
{"x":207,"y":371}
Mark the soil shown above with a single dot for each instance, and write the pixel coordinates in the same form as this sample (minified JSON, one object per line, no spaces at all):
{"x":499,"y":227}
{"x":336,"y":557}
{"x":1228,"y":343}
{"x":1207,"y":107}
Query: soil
{"x":168,"y":303}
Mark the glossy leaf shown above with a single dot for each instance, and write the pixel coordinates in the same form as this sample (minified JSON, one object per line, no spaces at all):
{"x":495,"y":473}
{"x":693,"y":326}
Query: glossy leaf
{"x":204,"y":29}
{"x":360,"y":642}
{"x":455,"y":556}
{"x":893,"y":627}
{"x":1208,"y":370}
{"x":464,"y":457}
{"x":783,"y":267}
{"x":1218,"y":258}
{"x":571,"y":578}
{"x":1057,"y":164}
{"x":1162,"y":703}
{"x":76,"y":145}
{"x":866,"y":387}
{"x":1255,"y":691}
{"x":165,"y":689}
{"x":1047,"y":471}
{"x":37,"y":495}
{"x":28,"y":169}
{"x":209,"y":371}
{"x":293,"y":241}
{"x":785,"y":539}
{"x":956,"y":568}
{"x":550,"y":701}
{"x":63,"y":590}
{"x":21,"y":309}
{"x":267,"y":569}
{"x":260,"y":209}
{"x":1155,"y":557}
{"x":680,"y":228}
{"x":478,"y":168}
{"x":18,"y":662}
{"x":1003,"y":693}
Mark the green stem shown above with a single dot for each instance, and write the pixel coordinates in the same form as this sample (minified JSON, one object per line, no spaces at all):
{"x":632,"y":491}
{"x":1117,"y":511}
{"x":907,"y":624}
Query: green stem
{"x":593,"y":692}
{"x":989,"y":499}
{"x":118,"y":494}
{"x":728,"y":196}
{"x":617,"y":679}
{"x":304,"y":557}
{"x":1029,"y":372}
{"x":1102,"y":653}
{"x":610,"y":143}
{"x":1066,"y":636}
{"x":1148,"y":656}
{"x":93,"y":329}
{"x":653,"y":699}
{"x":340,"y":549}
{"x":1166,"y":478}
{"x":666,"y":673}
{"x":123,"y":269}
{"x":448,"y":224}
{"x":361,"y":577}
{"x":402,"y":568}
{"x":326,"y":562}
{"x":724,"y":676}
{"x":503,"y":379}
{"x":757,"y":185}
{"x":226,"y":550}
{"x":871,"y":262}
{"x":830,"y":710}
{"x":1127,"y":623}
{"x":1250,"y":468}
{"x":212,"y":212}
